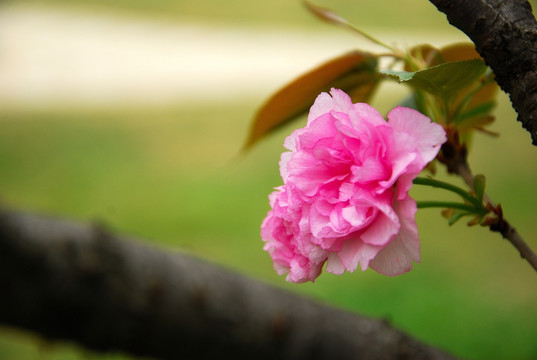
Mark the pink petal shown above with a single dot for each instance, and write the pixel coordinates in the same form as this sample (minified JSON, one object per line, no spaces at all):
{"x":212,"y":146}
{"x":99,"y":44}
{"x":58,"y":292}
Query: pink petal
{"x":400,"y":165}
{"x":284,"y":159}
{"x":358,"y":216}
{"x":355,"y":251}
{"x":382,"y":230}
{"x":362,"y":112}
{"x":305,"y":173}
{"x":396,"y":258}
{"x":372,"y":169}
{"x":342,"y":101}
{"x":324,"y":104}
{"x":426,"y":135}
{"x":334,"y":264}
{"x":322,"y":127}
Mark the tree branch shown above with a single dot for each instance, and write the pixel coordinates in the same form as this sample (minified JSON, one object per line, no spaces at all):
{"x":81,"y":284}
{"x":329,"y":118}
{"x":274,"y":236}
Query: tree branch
{"x":80,"y":283}
{"x":511,"y":234}
{"x":505,"y":34}
{"x":499,"y":224}
{"x":454,"y":156}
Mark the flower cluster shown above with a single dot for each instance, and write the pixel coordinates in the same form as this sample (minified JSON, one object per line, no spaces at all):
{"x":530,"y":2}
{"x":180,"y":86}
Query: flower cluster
{"x":345,"y":195}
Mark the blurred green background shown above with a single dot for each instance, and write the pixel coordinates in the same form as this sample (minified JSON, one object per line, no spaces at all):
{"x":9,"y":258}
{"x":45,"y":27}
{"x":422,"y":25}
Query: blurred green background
{"x":171,"y":172}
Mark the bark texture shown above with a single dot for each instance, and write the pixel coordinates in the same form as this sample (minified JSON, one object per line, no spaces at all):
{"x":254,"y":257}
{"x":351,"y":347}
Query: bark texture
{"x":75,"y":282}
{"x":504,"y":33}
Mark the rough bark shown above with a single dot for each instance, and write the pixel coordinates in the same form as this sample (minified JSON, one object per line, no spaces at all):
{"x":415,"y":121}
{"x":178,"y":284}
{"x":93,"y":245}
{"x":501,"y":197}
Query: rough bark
{"x":75,"y":282}
{"x":505,"y":34}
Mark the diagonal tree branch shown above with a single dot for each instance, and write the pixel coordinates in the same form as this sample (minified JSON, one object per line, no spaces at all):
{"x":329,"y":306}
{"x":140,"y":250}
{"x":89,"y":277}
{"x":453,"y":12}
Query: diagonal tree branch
{"x":457,"y":163}
{"x":70,"y":281}
{"x":505,"y":34}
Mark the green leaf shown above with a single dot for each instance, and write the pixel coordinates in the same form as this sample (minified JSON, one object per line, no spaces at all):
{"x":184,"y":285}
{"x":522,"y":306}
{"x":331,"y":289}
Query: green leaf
{"x":354,"y":72}
{"x":442,"y":80}
{"x":479,"y":183}
{"x":478,"y":123}
{"x":477,"y":111}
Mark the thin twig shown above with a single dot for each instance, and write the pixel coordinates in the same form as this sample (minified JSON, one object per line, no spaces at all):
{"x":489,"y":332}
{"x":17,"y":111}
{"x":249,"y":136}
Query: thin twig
{"x":509,"y":233}
{"x":498,"y":224}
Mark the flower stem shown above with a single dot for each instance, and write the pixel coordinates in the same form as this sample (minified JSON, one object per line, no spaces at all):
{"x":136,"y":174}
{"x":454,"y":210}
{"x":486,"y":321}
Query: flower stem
{"x":444,"y":185}
{"x":445,"y":204}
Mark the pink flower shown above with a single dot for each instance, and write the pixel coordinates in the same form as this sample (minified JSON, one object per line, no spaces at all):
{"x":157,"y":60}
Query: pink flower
{"x":345,"y":195}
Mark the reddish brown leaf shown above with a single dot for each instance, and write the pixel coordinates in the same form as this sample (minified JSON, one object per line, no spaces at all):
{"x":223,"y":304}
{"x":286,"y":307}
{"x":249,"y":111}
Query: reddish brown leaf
{"x":459,"y":52}
{"x":354,"y":72}
{"x":325,"y":14}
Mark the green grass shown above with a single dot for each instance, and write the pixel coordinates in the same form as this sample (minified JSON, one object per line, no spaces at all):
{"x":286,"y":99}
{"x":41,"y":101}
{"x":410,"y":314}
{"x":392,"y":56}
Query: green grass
{"x":174,"y":177}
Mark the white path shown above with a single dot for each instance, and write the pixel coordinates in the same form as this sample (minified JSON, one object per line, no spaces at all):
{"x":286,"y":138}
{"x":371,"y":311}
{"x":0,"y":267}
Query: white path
{"x":50,"y":56}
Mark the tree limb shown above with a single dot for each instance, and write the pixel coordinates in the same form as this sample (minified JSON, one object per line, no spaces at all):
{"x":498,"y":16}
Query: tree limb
{"x":70,"y":281}
{"x":455,"y":156}
{"x":458,"y":165}
{"x":511,"y":234}
{"x":505,"y":34}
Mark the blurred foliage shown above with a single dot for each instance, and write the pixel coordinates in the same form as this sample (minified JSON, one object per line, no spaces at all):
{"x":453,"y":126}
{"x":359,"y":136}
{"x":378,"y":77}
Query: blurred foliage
{"x":380,"y":13}
{"x":174,"y":175}
{"x":403,"y":14}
